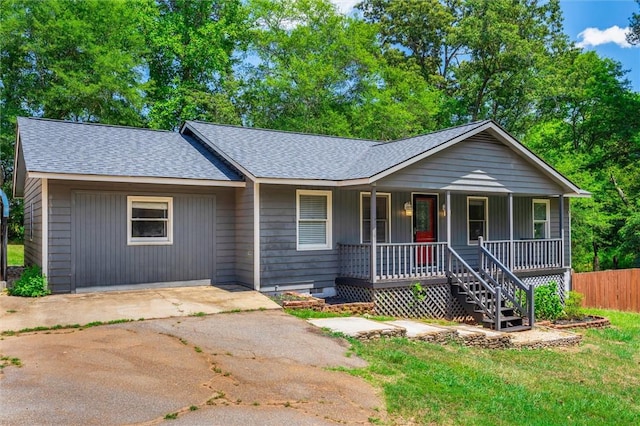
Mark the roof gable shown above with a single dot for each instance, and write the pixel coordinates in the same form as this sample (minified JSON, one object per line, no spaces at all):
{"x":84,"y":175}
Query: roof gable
{"x":479,"y":163}
{"x":58,"y":147}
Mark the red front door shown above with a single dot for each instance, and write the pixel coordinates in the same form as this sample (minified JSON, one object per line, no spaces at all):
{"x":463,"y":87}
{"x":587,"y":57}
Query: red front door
{"x":425,"y":225}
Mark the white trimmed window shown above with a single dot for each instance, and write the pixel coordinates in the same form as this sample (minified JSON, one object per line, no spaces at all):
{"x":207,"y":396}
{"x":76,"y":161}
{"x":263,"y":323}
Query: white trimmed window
{"x":383,"y":214}
{"x":541,"y":222}
{"x":477,"y":219}
{"x":313,"y":217}
{"x":150,"y":220}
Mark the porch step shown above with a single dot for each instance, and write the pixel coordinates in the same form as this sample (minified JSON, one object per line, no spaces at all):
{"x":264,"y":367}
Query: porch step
{"x":506,"y":323}
{"x":509,"y":321}
{"x":517,"y":328}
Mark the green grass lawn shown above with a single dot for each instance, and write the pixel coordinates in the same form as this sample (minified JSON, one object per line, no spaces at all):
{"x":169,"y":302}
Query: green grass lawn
{"x":597,"y":383}
{"x":15,"y":255}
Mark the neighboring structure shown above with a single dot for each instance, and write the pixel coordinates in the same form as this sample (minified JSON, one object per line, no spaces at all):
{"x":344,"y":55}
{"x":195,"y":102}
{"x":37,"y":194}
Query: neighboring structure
{"x":108,"y":206}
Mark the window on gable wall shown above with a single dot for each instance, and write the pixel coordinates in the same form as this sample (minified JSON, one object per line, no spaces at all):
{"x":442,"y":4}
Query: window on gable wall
{"x":383,"y":206}
{"x":313,"y":220}
{"x":541,"y":222}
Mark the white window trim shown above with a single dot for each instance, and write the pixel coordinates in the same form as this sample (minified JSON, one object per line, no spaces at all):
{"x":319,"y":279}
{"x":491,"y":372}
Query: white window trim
{"x":547,"y":226}
{"x":150,"y":241}
{"x":486,"y":220}
{"x":378,"y":194}
{"x":329,"y":220}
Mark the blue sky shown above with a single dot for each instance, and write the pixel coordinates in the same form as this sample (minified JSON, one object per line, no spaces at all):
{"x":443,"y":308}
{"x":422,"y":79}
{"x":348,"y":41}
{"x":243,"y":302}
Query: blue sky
{"x":599,"y":25}
{"x":593,"y":25}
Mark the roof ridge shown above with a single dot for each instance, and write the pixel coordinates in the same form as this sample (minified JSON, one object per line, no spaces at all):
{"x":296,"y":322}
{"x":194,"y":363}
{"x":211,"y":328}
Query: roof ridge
{"x":118,"y":126}
{"x":478,"y":123}
{"x":292,"y":132}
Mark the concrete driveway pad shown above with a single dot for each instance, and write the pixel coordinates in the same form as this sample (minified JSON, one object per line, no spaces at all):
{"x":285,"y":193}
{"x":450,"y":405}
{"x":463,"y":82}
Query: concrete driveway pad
{"x":262,"y":367}
{"x":17,"y":313}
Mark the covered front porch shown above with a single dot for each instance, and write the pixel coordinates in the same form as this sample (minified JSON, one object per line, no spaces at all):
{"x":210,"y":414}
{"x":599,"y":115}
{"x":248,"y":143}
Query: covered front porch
{"x":471,"y":256}
{"x":410,"y":235}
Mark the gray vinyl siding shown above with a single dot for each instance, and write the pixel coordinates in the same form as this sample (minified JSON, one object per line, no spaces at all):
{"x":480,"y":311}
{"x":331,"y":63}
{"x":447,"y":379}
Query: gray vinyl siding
{"x":479,"y":164}
{"x":59,"y":238}
{"x":244,"y":249}
{"x":33,"y":226}
{"x":347,"y":220}
{"x":88,"y":236}
{"x":281,"y":263}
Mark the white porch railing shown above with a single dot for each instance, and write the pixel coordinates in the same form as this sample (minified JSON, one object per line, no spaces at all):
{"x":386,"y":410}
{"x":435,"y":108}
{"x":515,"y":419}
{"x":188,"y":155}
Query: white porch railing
{"x":394,"y":260}
{"x":421,"y":260}
{"x":527,"y":254}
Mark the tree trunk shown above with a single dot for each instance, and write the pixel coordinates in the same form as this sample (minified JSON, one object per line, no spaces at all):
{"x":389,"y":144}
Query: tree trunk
{"x":596,"y":259}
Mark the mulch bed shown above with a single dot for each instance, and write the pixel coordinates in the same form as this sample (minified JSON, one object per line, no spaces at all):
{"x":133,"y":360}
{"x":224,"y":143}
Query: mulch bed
{"x":588,"y":321}
{"x":293,"y":300}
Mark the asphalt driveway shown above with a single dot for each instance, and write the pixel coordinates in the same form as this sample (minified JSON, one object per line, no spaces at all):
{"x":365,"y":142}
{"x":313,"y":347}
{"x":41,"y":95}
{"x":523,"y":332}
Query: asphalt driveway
{"x":246,"y":368}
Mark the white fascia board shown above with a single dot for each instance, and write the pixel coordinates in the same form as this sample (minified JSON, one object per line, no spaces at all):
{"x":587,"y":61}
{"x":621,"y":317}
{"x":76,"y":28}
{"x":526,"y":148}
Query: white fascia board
{"x":429,"y":153}
{"x":314,"y":182}
{"x":581,"y":194}
{"x":218,"y":150}
{"x":137,"y":179}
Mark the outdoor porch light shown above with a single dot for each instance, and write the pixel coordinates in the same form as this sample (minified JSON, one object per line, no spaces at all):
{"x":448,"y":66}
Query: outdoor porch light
{"x":444,"y":210}
{"x":408,"y":209}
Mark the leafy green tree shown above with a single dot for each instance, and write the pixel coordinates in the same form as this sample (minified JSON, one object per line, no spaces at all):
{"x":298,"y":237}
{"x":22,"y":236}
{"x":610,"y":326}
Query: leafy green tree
{"x":318,"y":71}
{"x":76,"y":60}
{"x":510,"y":44}
{"x":590,"y":130}
{"x":190,"y":60}
{"x":309,"y":68}
{"x":492,"y":56}
{"x":422,"y":32}
{"x":633,"y":36}
{"x":67,"y":59}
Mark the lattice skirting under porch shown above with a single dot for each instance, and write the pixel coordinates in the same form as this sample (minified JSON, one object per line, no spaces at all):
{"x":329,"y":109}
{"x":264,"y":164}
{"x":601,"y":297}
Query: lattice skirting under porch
{"x":400,"y":301}
{"x":538,"y":280}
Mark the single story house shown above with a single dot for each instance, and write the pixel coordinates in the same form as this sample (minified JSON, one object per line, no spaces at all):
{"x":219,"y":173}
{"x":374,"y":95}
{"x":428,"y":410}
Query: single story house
{"x":461,"y":212}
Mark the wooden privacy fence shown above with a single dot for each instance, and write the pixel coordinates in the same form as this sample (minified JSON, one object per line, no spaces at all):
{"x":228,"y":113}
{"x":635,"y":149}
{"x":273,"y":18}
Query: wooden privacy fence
{"x":617,"y":289}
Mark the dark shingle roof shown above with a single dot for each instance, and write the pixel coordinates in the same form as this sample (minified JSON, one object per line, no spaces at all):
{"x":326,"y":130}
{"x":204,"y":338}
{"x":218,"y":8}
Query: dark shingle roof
{"x":52,"y":146}
{"x":288,"y":155}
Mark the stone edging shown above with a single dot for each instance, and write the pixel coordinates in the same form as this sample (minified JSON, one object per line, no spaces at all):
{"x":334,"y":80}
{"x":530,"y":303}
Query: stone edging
{"x":309,"y":302}
{"x":600,"y":322}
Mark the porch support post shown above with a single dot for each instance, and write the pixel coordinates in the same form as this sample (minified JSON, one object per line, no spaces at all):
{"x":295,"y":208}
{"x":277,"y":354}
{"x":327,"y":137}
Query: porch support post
{"x":561,"y":217}
{"x":374,"y":233}
{"x":511,"y":253}
{"x":448,"y":213}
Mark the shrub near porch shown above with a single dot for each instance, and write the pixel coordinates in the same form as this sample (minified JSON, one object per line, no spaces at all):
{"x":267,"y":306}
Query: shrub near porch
{"x":596,"y":383}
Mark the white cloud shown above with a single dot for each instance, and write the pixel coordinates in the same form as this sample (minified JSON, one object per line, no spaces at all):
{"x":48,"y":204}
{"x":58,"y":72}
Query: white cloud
{"x":596,"y":37}
{"x":345,"y":6}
